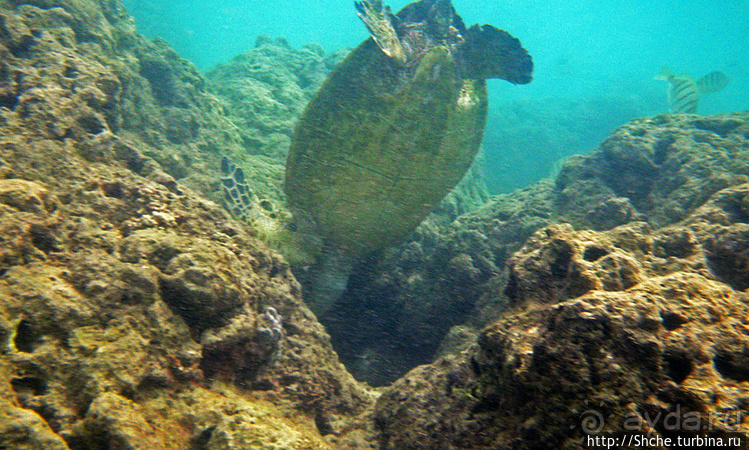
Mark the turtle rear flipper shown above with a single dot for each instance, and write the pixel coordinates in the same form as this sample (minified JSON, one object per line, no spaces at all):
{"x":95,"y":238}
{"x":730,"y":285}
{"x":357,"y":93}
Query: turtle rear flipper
{"x":380,"y":22}
{"x":492,"y":53}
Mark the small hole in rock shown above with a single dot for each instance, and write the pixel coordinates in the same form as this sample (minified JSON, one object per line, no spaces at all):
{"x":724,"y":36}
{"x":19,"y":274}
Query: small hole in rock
{"x":43,"y":238}
{"x":29,"y":385}
{"x":732,"y":365}
{"x":662,"y":148}
{"x":201,"y":440}
{"x":9,"y":101}
{"x":672,"y":321}
{"x":115,"y":189}
{"x":91,"y":124}
{"x":70,"y":72}
{"x":27,"y":338}
{"x":594,"y":253}
{"x":21,"y":48}
{"x":678,"y":365}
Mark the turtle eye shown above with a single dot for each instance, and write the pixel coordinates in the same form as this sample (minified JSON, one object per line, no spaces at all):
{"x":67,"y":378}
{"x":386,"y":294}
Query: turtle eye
{"x":266,"y":205}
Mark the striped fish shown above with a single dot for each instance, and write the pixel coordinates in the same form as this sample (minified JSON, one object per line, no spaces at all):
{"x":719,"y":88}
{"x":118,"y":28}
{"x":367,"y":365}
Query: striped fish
{"x":683,"y":93}
{"x":712,"y":82}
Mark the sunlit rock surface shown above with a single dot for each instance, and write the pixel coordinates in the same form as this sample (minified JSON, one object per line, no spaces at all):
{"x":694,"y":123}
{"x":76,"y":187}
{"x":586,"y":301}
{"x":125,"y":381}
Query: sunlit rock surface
{"x":133,"y":310}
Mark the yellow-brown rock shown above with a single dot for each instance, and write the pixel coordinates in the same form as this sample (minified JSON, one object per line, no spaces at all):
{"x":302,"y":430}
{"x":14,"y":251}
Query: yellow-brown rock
{"x":116,"y":276}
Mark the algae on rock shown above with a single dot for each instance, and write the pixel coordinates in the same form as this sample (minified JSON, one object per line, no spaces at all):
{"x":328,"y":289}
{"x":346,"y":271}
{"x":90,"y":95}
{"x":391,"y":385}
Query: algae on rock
{"x":116,"y":276}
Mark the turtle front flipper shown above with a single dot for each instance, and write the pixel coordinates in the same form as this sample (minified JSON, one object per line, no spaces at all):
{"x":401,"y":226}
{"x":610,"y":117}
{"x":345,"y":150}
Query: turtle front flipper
{"x":237,"y":194}
{"x":492,"y":53}
{"x":380,"y":22}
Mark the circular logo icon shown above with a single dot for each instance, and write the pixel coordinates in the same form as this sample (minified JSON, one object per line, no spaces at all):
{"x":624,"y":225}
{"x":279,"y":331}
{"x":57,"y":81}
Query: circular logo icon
{"x":591,"y":421}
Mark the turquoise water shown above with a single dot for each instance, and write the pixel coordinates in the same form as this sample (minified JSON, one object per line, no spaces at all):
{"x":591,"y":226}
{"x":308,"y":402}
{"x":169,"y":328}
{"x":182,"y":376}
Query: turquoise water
{"x":580,"y":48}
{"x":601,"y":55}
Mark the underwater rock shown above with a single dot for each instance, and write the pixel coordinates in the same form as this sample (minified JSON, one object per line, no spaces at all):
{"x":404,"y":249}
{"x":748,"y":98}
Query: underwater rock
{"x":242,"y":349}
{"x":128,"y":300}
{"x":22,"y":428}
{"x":722,"y":226}
{"x":26,"y":196}
{"x":136,"y":301}
{"x":267,"y":88}
{"x":547,"y":375}
{"x":117,"y":421}
{"x":728,"y":255}
{"x":78,"y":70}
{"x":557,"y":263}
{"x":405,"y":300}
{"x":659,"y":169}
{"x":114,"y":273}
{"x":609,"y":328}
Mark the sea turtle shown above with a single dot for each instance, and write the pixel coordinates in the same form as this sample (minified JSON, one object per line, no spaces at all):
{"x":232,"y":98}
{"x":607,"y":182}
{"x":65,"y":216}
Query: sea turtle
{"x":392,"y":130}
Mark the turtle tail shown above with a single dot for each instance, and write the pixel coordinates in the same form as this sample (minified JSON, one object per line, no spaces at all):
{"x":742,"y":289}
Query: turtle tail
{"x":492,"y":53}
{"x":329,"y":280}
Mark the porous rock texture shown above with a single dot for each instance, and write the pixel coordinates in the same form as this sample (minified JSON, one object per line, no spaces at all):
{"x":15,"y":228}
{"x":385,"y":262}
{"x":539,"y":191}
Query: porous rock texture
{"x":655,"y":169}
{"x":133,"y":312}
{"x":641,"y":327}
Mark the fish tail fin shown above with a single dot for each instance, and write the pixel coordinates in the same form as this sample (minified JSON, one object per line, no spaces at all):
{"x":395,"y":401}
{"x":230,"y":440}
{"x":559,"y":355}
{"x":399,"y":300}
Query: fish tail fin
{"x":665,"y":74}
{"x":712,"y":82}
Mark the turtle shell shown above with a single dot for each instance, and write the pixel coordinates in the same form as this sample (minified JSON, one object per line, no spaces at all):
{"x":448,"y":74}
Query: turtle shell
{"x":380,"y":145}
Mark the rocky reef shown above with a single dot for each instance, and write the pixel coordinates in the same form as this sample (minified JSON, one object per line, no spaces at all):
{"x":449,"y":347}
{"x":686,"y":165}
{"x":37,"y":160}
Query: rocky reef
{"x":620,"y":331}
{"x":636,"y":314}
{"x":136,"y":312}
